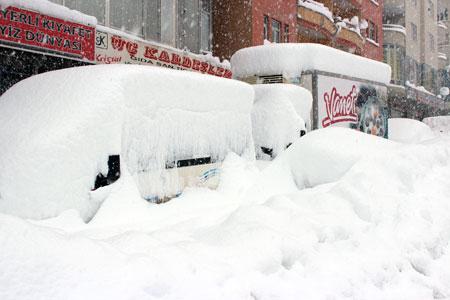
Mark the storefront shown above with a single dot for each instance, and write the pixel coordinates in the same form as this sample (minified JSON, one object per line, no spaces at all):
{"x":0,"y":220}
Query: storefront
{"x":42,"y":38}
{"x":33,"y":42}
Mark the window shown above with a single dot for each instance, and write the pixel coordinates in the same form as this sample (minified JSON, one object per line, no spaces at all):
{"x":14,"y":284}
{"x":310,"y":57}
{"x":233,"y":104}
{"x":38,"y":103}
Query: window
{"x":286,"y":33}
{"x":413,"y":2}
{"x":168,"y":22}
{"x":393,"y":55}
{"x":94,"y":8}
{"x":443,"y":15}
{"x":431,"y":8}
{"x":276,"y":26}
{"x":266,"y":27}
{"x":127,"y":16}
{"x":205,"y":25}
{"x":414,"y":32}
{"x":431,"y":42}
{"x":413,"y":71}
{"x":373,"y":32}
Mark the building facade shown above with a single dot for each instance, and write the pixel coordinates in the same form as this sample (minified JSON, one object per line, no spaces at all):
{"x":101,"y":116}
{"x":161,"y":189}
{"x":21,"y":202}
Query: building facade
{"x":444,"y":45}
{"x":40,"y":36}
{"x":372,"y":13}
{"x":350,"y":25}
{"x":177,"y":23}
{"x":238,"y":24}
{"x":410,"y":34}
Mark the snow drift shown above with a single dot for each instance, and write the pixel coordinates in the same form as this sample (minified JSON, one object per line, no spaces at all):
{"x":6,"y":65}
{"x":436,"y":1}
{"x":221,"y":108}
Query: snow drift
{"x":59,"y":128}
{"x":409,"y":131}
{"x":438,"y":124}
{"x":373,"y":225}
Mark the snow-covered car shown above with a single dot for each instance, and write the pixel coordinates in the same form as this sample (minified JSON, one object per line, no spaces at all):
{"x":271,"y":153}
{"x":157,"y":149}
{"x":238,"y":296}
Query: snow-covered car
{"x":280,"y":115}
{"x":69,"y":132}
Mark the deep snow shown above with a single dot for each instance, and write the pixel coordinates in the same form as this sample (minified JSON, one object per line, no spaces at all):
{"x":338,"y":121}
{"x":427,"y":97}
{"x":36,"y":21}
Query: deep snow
{"x":339,"y":215}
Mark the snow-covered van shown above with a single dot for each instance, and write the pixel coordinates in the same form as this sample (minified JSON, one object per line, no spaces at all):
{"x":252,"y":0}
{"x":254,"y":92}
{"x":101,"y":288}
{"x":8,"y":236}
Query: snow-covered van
{"x":348,"y":90}
{"x":68,"y":133}
{"x":280,"y":116}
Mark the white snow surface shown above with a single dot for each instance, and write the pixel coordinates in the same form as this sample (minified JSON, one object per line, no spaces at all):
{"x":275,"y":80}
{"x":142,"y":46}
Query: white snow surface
{"x":51,"y":9}
{"x":438,"y":124}
{"x":409,"y":130}
{"x":280,"y":112}
{"x":58,"y":129}
{"x":339,"y":215}
{"x":291,"y":60}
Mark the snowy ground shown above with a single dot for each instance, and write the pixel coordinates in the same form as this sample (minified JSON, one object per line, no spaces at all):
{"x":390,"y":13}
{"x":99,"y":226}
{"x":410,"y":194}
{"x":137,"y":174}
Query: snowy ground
{"x":339,"y":215}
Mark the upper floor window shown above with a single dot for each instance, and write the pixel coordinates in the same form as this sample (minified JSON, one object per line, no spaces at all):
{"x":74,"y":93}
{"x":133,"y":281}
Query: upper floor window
{"x":276,"y":26}
{"x":126,"y":16}
{"x":266,"y":27}
{"x":431,"y":8}
{"x":205,"y":25}
{"x":414,"y":32}
{"x":373,"y":32}
{"x":286,"y":33}
{"x":443,"y":15}
{"x":94,"y":8}
{"x":168,"y":17}
{"x":431,"y":42}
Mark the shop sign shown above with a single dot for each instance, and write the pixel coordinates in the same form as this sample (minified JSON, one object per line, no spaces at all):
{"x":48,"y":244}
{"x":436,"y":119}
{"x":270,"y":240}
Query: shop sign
{"x":352,"y":104}
{"x":24,"y":27}
{"x":111,"y":48}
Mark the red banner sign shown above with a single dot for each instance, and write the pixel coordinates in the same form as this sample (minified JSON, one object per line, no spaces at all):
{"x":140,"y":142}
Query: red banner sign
{"x":112,"y":48}
{"x":30,"y":28}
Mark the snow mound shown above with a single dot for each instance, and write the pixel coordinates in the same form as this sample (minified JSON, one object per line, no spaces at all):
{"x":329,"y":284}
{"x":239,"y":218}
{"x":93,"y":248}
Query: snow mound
{"x":325,"y":155}
{"x":438,"y":124}
{"x":60,"y":127}
{"x":291,"y":60}
{"x":280,"y":112}
{"x":409,"y":130}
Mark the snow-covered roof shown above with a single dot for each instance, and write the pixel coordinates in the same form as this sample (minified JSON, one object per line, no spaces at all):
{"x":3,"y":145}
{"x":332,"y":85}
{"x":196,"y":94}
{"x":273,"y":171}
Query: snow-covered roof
{"x":51,"y":9}
{"x":293,"y":59}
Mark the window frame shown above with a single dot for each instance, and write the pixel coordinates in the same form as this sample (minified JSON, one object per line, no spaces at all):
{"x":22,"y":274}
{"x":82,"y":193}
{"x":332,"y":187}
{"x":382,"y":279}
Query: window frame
{"x":414,"y":32}
{"x":203,"y":12}
{"x":266,"y":27}
{"x":276,"y":31}
{"x":286,"y":33}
